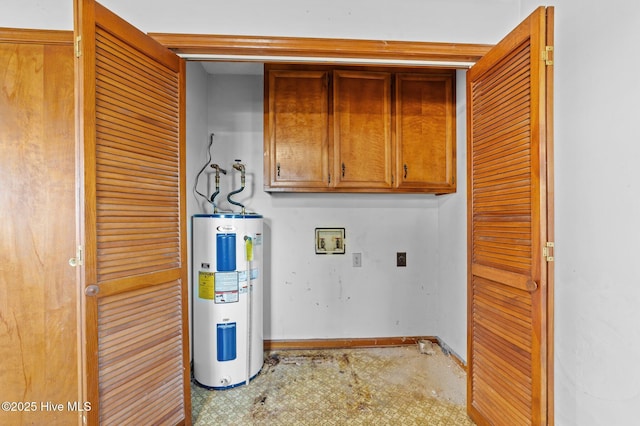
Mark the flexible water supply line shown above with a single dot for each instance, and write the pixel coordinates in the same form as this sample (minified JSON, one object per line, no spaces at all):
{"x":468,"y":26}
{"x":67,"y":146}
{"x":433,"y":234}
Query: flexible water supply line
{"x":240,"y":167}
{"x":209,"y":157}
{"x":213,"y":196}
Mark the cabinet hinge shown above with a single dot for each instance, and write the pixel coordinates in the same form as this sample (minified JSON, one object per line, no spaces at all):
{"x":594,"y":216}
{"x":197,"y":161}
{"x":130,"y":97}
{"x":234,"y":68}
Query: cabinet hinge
{"x":79,"y":259}
{"x":77,"y":46}
{"x":547,"y":251}
{"x":547,"y":54}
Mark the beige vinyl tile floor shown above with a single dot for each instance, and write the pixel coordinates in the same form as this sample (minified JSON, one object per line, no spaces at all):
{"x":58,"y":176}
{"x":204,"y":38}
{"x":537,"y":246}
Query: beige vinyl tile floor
{"x":373,"y":386}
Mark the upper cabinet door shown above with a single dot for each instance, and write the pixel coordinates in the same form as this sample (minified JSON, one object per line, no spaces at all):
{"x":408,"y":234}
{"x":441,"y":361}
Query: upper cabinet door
{"x":510,"y":293}
{"x":362,"y":129}
{"x":131,"y":116}
{"x":425,"y":131}
{"x":296,"y":129}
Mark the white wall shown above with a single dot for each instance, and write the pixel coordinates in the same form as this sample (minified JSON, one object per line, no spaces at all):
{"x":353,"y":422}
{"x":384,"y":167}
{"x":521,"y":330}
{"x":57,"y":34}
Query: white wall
{"x":406,"y":20}
{"x":37,"y":14}
{"x":197,"y":130}
{"x":452,"y":240}
{"x":433,"y":20}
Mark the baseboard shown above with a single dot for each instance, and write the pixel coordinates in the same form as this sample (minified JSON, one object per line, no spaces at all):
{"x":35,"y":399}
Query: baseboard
{"x":367,"y":342}
{"x":450,"y":352}
{"x":458,"y":361}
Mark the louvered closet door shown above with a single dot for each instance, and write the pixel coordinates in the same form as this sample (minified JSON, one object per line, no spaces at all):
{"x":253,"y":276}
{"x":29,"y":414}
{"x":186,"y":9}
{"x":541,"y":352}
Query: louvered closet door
{"x":136,"y":328}
{"x":510,"y":322}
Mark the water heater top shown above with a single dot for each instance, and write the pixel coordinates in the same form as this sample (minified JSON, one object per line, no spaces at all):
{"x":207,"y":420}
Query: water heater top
{"x":231,"y":215}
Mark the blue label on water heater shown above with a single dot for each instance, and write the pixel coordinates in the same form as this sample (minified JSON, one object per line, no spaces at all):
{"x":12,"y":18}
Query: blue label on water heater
{"x":225,"y":252}
{"x":226,"y":341}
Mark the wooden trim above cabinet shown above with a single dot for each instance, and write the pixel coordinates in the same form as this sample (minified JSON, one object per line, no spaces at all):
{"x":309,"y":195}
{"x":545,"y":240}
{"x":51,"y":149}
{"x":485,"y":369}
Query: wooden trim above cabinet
{"x":48,"y":37}
{"x":295,"y":47}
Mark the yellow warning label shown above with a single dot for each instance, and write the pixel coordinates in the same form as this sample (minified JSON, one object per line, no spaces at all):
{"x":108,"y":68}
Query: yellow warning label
{"x":206,"y":282}
{"x":249,"y":248}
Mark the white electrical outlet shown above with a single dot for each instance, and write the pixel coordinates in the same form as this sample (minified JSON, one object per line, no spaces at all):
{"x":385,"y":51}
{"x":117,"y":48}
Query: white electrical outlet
{"x":357,"y":260}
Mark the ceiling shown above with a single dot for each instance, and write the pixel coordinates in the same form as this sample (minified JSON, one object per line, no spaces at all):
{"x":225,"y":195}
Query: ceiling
{"x":238,"y":68}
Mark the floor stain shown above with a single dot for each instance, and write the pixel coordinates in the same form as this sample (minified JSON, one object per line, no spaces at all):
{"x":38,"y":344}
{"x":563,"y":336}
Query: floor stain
{"x":272,"y":360}
{"x":351,"y":386}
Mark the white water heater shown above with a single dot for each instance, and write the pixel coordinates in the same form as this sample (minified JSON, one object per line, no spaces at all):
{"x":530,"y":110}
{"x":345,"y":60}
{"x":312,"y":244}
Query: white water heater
{"x":227,"y":299}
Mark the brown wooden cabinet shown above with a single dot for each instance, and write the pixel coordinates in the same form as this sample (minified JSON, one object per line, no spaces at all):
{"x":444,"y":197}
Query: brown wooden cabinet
{"x":297,"y":129}
{"x":425,"y":132}
{"x":357,"y":129}
{"x":362,"y":129}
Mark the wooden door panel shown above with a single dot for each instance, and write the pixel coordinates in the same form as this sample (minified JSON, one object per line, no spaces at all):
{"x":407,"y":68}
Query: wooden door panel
{"x":127,"y":344}
{"x":39,"y":290}
{"x":297,"y":131}
{"x":508,"y":201}
{"x":425,"y":131}
{"x":362,"y":129}
{"x":132,"y":102}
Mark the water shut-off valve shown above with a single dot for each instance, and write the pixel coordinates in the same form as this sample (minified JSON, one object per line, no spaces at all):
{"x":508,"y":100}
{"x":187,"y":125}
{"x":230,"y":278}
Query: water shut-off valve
{"x":240,"y":167}
{"x":215,"y":194}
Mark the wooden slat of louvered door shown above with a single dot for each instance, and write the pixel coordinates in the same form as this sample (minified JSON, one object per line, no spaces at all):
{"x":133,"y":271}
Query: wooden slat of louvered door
{"x":131,"y":103}
{"x":508,"y":201}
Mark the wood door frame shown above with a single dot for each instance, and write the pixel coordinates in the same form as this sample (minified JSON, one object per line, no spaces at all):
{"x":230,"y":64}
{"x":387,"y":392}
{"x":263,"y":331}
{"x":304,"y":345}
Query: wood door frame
{"x":322,"y":50}
{"x":549,"y":88}
{"x":317,"y":48}
{"x":281,"y":48}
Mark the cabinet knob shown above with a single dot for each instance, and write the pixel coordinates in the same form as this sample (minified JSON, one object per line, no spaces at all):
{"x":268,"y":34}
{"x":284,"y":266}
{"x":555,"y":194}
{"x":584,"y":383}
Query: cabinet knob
{"x":278,"y":169}
{"x":406,"y":170}
{"x":343,"y":168}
